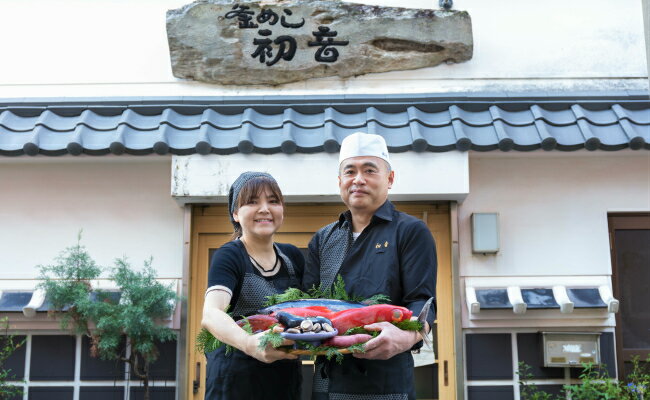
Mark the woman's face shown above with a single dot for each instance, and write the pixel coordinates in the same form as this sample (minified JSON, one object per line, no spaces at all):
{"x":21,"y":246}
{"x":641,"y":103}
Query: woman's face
{"x":262,"y":216}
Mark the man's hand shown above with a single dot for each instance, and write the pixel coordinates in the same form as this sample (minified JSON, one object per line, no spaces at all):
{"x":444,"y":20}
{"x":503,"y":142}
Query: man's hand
{"x":267,"y":354}
{"x":390,"y":342}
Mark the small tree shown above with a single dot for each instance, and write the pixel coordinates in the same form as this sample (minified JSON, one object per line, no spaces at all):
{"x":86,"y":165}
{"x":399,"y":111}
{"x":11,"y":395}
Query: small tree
{"x":8,"y":344}
{"x":133,"y":319}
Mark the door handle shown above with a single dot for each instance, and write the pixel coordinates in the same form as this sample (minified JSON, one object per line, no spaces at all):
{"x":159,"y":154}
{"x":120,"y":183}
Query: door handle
{"x":197,"y":378}
{"x":445,"y":368}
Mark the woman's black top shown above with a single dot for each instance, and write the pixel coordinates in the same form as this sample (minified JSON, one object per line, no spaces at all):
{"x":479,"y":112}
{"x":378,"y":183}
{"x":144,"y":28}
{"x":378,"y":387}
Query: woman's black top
{"x":236,"y":375}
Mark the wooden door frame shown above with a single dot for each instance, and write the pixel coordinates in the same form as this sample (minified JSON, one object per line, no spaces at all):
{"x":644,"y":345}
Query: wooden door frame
{"x":183,"y":354}
{"x":449,"y":359}
{"x":619,"y":221}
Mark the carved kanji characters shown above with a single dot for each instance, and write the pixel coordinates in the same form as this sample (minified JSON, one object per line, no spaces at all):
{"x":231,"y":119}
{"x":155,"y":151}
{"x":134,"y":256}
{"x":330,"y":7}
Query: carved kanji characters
{"x":326,"y":52}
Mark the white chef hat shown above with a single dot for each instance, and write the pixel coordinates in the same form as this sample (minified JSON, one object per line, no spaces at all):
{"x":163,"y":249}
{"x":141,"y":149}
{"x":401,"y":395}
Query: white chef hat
{"x":363,"y":144}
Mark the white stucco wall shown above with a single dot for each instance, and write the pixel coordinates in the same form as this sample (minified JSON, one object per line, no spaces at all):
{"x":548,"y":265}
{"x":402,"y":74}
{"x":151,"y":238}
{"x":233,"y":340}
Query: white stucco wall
{"x":552,"y":209}
{"x":119,"y":48}
{"x":122,"y":204}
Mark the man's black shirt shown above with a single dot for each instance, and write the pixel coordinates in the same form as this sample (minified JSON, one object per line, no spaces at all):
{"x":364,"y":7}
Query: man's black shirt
{"x":395,"y":255}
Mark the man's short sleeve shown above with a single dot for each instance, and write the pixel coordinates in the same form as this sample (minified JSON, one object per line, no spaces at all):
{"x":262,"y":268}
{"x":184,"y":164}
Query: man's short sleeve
{"x":226,"y":269}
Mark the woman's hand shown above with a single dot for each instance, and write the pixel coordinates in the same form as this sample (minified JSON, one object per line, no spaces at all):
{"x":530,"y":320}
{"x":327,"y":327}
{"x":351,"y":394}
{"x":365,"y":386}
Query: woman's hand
{"x":222,"y":326}
{"x":267,"y":354}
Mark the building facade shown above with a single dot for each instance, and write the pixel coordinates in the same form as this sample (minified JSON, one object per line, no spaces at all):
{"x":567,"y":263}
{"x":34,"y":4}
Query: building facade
{"x":546,"y":127}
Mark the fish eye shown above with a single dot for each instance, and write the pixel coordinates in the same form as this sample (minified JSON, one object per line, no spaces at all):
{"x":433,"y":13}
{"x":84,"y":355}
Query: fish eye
{"x":397,"y":314}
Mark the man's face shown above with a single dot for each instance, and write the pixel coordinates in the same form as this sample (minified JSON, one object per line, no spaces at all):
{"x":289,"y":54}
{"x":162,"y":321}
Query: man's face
{"x":364,"y":182}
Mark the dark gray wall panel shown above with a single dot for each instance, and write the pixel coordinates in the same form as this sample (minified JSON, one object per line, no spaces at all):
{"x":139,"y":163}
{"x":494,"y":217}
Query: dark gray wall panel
{"x":555,"y":390}
{"x":489,"y":356}
{"x":94,"y":368}
{"x":157,"y":393}
{"x":101,"y":393}
{"x":490,"y":393}
{"x":52,"y":358}
{"x":426,"y":382}
{"x":164,"y":369}
{"x":16,"y":361}
{"x":51,"y":393}
{"x":529,"y":350}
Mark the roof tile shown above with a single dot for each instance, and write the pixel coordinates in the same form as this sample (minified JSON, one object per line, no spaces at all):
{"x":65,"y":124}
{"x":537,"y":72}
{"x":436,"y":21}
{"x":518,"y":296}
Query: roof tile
{"x":103,"y":129}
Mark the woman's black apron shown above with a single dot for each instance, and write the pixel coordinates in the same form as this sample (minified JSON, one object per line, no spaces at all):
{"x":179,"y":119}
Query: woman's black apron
{"x":236,"y":376}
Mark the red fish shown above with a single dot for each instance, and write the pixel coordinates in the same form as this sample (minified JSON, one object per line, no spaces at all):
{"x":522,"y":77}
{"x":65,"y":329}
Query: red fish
{"x":358,"y":317}
{"x":258,"y":322}
{"x":311,"y":311}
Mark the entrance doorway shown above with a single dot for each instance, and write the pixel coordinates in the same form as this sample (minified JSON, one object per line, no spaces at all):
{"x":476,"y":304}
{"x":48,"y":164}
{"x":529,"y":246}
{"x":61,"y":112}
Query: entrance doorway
{"x":211,"y":228}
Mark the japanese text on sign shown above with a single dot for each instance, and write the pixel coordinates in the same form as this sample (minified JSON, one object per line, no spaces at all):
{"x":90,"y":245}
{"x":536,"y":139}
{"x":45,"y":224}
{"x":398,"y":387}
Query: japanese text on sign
{"x":271,"y":50}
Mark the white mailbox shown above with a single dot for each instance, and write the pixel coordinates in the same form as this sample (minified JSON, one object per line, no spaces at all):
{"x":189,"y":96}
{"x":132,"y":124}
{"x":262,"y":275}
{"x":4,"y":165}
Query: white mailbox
{"x":571,"y":349}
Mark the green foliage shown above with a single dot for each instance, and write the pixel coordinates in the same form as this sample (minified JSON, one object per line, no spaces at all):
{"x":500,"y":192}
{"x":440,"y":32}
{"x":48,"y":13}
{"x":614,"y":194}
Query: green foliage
{"x":143,"y":302}
{"x":68,"y":284}
{"x":406,"y":325}
{"x":331,"y":352}
{"x":595,"y":384}
{"x":272,"y":338}
{"x":638,"y":381}
{"x":206,"y":343}
{"x":134,"y":319}
{"x":336,"y":292}
{"x":357,"y":348}
{"x":8,"y":344}
{"x":527,"y":390}
{"x":291,"y":294}
{"x":377,"y":299}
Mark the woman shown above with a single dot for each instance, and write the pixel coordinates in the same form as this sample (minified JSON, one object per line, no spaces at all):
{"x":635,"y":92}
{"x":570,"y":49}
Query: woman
{"x":242,"y":273}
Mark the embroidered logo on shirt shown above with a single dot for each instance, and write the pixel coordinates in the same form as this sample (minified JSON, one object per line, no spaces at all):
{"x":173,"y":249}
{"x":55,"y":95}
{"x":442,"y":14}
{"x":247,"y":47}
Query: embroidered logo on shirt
{"x":378,"y":246}
{"x":386,"y":243}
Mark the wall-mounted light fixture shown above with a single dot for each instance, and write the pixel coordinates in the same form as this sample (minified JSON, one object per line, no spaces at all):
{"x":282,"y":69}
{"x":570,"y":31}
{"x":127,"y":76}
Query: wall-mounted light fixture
{"x":485,"y":233}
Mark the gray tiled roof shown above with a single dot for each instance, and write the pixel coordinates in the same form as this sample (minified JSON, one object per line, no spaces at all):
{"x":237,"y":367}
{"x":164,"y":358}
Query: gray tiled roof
{"x":16,"y":301}
{"x":216,"y":128}
{"x":540,"y":298}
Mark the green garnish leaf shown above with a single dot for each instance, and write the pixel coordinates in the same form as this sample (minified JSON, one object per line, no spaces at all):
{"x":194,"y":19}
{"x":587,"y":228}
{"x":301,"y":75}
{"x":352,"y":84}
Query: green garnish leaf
{"x":358,"y":348}
{"x":377,"y":299}
{"x":408,"y":325}
{"x":272,"y":338}
{"x":206,"y":343}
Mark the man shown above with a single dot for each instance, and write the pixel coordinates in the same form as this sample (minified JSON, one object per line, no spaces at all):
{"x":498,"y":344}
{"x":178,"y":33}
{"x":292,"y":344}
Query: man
{"x":377,"y":250}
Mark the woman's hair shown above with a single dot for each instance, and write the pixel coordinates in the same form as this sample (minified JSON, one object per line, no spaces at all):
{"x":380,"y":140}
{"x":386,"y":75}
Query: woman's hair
{"x":253,"y":188}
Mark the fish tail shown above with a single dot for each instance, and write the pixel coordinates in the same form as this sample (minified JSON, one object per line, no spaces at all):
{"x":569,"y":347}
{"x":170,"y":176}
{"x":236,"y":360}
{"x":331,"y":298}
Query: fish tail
{"x":422,"y":319}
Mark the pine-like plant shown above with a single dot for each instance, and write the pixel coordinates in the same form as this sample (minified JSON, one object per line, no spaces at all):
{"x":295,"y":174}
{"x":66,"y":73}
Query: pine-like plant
{"x":108,"y":319}
{"x":8,"y":344}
